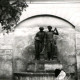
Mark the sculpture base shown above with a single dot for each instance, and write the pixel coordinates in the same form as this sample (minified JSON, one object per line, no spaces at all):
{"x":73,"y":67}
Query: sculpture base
{"x":43,"y":65}
{"x":39,"y":70}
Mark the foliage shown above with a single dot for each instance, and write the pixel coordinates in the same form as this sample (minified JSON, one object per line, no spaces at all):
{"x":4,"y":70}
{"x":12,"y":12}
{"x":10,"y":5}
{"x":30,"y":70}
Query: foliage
{"x":10,"y":12}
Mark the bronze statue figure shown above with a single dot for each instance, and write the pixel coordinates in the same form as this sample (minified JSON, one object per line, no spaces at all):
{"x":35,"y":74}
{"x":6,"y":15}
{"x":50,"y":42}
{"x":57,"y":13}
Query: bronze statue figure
{"x":39,"y":42}
{"x":45,"y":40}
{"x":51,"y":43}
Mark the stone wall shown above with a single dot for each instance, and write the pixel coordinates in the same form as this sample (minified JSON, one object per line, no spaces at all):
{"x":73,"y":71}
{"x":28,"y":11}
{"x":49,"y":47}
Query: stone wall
{"x":6,"y":57}
{"x":24,"y":50}
{"x":17,"y":50}
{"x":78,"y":53}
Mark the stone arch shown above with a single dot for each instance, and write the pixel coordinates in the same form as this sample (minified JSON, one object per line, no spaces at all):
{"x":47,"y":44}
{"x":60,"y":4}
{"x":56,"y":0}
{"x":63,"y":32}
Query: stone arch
{"x":24,"y":40}
{"x":48,"y":15}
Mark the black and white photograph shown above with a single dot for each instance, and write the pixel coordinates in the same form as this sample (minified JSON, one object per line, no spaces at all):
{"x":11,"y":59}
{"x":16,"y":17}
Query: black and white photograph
{"x":39,"y":39}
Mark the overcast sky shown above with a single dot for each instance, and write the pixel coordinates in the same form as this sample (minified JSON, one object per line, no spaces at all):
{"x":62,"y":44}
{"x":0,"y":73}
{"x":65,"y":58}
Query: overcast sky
{"x":68,"y":11}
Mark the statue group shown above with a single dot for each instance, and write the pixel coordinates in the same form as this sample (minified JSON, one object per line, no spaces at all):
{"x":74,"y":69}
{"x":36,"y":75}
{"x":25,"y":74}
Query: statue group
{"x":44,"y":40}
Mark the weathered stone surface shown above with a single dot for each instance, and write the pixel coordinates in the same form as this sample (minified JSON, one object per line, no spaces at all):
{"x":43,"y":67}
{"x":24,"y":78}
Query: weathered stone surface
{"x":66,"y":50}
{"x":25,"y":50}
{"x":53,"y":66}
{"x":4,"y":46}
{"x":78,"y":63}
{"x":78,"y":55}
{"x":7,"y":39}
{"x":78,"y":66}
{"x":77,"y":39}
{"x":78,"y":75}
{"x":77,"y":47}
{"x":6,"y":51}
{"x":6,"y":66}
{"x":24,"y":46}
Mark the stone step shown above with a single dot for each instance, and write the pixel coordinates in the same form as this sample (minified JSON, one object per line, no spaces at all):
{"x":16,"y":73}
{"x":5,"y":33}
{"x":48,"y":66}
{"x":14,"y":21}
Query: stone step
{"x":33,"y":73}
{"x":33,"y":76}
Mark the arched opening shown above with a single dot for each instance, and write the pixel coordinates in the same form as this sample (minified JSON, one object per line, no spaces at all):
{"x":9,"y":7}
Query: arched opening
{"x":24,"y":41}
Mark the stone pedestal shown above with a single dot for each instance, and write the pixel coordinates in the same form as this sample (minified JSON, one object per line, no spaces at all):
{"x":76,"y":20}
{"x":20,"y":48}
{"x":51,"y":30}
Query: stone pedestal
{"x":39,"y":70}
{"x":44,"y":65}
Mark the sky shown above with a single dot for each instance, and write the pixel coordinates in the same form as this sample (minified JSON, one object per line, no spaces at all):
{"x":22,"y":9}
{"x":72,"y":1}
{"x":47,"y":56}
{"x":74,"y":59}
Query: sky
{"x":68,"y":11}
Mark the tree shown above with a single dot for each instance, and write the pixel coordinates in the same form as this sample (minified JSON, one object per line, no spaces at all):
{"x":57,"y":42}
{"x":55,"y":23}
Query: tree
{"x":10,"y":12}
